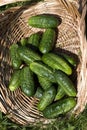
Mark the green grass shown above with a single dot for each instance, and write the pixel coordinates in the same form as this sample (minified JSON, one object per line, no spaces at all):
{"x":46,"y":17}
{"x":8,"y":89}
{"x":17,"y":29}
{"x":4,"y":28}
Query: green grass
{"x":26,"y":2}
{"x":5,"y":7}
{"x":62,"y":123}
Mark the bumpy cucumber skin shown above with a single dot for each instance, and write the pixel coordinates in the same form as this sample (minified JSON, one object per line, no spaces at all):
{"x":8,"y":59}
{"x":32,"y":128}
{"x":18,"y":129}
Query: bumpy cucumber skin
{"x":69,"y":58}
{"x":47,"y":98}
{"x":14,"y":81}
{"x":47,"y":41}
{"x":23,"y":41}
{"x":42,"y":70}
{"x":39,"y":93}
{"x":43,"y":21}
{"x":65,"y":82}
{"x":59,"y":107}
{"x":57,"y":62}
{"x":27,"y":81}
{"x":60,"y":93}
{"x":34,"y":39}
{"x":44,"y":82}
{"x":28,"y":55}
{"x":15,"y":60}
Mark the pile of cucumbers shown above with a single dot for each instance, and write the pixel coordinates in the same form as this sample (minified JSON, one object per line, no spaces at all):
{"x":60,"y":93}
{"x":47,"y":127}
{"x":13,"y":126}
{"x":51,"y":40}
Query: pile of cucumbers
{"x":40,"y":72}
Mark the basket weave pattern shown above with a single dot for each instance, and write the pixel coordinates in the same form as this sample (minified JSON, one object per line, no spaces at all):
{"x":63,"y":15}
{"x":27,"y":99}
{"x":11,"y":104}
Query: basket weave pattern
{"x":13,"y":26}
{"x":82,"y":77}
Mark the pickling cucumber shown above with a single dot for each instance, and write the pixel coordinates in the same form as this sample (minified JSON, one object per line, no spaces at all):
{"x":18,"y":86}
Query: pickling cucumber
{"x":34,"y":39}
{"x":65,"y":82}
{"x":15,"y":60}
{"x":27,"y":81}
{"x":57,"y":62}
{"x":69,"y":58}
{"x":60,"y":107}
{"x":42,"y":70}
{"x":47,"y":41}
{"x":44,"y":82}
{"x":39,"y":92}
{"x":60,"y":93}
{"x":27,"y":55}
{"x":24,"y":41}
{"x":43,"y":21}
{"x":47,"y":98}
{"x":14,"y":82}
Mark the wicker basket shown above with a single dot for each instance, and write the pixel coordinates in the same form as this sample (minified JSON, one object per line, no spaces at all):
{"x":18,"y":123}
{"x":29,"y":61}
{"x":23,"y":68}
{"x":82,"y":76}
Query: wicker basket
{"x":13,"y":25}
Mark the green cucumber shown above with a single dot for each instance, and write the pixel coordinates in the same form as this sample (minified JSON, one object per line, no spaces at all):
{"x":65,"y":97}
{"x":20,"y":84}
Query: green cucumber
{"x":43,"y":21}
{"x":60,"y":93}
{"x":60,"y":107}
{"x":47,"y":98}
{"x":14,"y":82}
{"x":28,"y":55}
{"x":65,"y":82}
{"x":34,"y":39}
{"x":57,"y":62}
{"x":39,"y":92}
{"x":42,"y":70}
{"x":27,"y":81}
{"x":69,"y":58}
{"x":47,"y":41}
{"x":23,"y":41}
{"x":15,"y":60}
{"x":44,"y":82}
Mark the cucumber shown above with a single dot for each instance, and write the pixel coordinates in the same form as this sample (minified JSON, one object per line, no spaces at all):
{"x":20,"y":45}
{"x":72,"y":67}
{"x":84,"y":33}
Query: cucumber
{"x":60,"y":107}
{"x":60,"y":93}
{"x":57,"y":62}
{"x":34,"y":39}
{"x":65,"y":82}
{"x":39,"y":92}
{"x":69,"y":58}
{"x":47,"y":41}
{"x":47,"y":98}
{"x":43,"y":21}
{"x":44,"y":82}
{"x":27,"y":81}
{"x":42,"y":70}
{"x":23,"y":41}
{"x":15,"y":60}
{"x":27,"y":55}
{"x":14,"y":82}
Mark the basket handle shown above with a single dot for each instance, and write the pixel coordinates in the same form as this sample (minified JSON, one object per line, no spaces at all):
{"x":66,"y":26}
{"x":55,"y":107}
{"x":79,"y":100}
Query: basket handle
{"x":5,"y":2}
